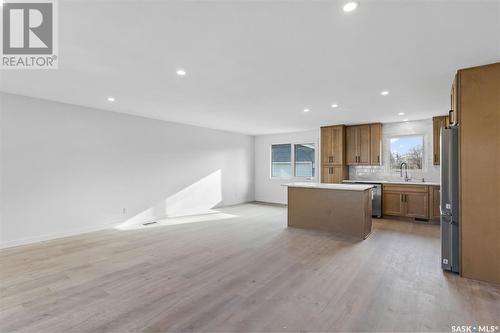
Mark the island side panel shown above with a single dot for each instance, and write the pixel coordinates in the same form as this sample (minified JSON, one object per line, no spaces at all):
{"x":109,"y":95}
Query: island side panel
{"x":368,"y":213}
{"x":342,"y":212}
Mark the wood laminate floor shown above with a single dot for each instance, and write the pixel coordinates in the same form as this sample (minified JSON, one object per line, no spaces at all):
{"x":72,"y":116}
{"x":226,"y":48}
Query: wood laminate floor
{"x":244,"y":272}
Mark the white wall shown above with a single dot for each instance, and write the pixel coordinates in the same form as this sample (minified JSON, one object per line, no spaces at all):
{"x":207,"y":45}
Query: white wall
{"x":67,"y":169}
{"x":429,"y":171}
{"x":268,"y":189}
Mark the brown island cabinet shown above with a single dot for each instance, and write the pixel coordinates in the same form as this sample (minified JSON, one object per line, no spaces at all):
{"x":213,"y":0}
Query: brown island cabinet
{"x":344,"y":210}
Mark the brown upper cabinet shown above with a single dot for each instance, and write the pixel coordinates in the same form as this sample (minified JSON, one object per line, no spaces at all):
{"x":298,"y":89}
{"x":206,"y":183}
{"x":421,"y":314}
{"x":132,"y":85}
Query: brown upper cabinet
{"x":332,"y":145}
{"x":363,"y":144}
{"x":454,"y":113}
{"x":437,"y":124}
{"x":333,"y":167}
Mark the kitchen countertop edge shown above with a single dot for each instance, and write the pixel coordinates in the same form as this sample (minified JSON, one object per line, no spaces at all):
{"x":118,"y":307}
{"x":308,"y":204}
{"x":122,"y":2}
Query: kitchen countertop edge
{"x":388,"y":182}
{"x":341,"y":187}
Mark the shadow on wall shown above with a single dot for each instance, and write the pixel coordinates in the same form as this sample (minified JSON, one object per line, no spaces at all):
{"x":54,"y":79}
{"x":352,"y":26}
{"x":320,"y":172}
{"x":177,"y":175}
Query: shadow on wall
{"x":197,"y":199}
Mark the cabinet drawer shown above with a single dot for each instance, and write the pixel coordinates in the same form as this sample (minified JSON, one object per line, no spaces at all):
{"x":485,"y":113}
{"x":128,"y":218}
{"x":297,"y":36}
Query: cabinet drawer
{"x":406,"y":188}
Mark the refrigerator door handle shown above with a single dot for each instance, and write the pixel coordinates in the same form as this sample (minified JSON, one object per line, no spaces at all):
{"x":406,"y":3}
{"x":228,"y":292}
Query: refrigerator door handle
{"x":444,"y":213}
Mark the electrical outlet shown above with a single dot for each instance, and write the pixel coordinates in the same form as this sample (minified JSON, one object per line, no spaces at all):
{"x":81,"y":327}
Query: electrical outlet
{"x":124,"y":211}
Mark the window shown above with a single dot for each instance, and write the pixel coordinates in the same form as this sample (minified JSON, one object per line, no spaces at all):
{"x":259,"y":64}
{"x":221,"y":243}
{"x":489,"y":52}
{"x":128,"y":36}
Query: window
{"x":281,"y":161}
{"x":304,"y":160}
{"x":408,"y":149}
{"x":302,"y":155}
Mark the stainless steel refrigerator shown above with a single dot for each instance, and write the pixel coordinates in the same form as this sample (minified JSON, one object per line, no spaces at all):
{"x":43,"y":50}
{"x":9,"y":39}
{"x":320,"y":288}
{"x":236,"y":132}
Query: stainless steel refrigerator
{"x":449,"y":200}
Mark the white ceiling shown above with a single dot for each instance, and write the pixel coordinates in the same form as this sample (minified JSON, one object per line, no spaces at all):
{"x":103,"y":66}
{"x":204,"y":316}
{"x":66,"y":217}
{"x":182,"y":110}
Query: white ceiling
{"x":253,"y":66}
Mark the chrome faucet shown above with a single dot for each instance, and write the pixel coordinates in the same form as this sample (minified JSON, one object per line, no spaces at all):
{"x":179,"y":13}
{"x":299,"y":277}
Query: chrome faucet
{"x":406,"y":171}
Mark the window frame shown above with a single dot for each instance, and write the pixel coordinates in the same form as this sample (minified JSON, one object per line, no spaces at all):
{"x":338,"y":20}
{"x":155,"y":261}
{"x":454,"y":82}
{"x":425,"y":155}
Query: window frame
{"x":403,"y":136}
{"x":292,"y":160}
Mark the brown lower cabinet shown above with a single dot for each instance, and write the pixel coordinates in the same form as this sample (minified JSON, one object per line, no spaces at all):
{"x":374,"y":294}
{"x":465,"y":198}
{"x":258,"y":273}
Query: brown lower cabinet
{"x":406,"y":201}
{"x":434,"y":201}
{"x":417,"y":204}
{"x":334,"y":173}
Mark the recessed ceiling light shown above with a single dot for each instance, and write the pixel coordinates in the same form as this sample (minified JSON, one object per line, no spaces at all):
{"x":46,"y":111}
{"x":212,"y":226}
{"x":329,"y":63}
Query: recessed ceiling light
{"x":405,"y":119}
{"x":335,"y":105}
{"x":111,"y":99}
{"x":350,"y":6}
{"x":384,"y":93}
{"x":180,"y":72}
{"x":306,"y":110}
{"x":401,"y":114}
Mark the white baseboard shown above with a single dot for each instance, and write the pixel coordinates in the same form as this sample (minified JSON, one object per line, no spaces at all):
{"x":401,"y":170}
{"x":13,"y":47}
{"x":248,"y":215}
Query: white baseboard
{"x":48,"y":237}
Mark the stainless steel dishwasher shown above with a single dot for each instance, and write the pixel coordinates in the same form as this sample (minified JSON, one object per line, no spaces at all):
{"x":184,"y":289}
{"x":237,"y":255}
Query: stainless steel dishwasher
{"x":376,"y":196}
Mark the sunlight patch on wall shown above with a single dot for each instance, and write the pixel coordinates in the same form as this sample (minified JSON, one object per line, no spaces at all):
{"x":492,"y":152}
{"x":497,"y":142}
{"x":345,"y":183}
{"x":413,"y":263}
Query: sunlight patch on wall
{"x":196,"y":199}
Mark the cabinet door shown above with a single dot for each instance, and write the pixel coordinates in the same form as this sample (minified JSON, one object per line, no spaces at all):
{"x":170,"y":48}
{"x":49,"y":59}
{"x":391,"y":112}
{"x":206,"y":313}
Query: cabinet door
{"x":454,"y":113}
{"x":327,"y":174}
{"x":393,"y":203}
{"x":326,"y":145}
{"x":434,"y":201}
{"x":338,"y":145}
{"x":340,"y":173}
{"x":376,"y":144}
{"x":363,"y":144}
{"x":417,"y":204}
{"x":437,"y":124}
{"x":350,"y":143}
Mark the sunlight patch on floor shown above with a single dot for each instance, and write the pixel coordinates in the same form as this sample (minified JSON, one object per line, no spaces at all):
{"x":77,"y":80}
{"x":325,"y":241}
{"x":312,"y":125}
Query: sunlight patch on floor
{"x":212,"y":215}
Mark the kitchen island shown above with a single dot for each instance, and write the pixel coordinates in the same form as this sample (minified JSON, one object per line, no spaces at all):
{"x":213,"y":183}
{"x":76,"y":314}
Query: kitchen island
{"x":340,"y":209}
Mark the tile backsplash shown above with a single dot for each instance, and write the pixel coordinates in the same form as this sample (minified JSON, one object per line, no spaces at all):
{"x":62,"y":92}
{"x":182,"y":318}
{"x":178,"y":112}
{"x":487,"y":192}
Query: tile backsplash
{"x":429,"y":171}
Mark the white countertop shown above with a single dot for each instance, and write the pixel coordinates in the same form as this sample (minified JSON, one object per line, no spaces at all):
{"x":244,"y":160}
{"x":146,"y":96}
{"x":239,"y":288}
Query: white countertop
{"x":343,"y":187}
{"x":390,"y":182}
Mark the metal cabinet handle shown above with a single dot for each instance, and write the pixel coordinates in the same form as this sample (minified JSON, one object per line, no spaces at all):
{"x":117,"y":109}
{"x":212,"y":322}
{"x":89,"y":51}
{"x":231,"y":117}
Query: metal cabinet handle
{"x":451,"y":121}
{"x":378,"y":158}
